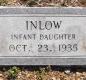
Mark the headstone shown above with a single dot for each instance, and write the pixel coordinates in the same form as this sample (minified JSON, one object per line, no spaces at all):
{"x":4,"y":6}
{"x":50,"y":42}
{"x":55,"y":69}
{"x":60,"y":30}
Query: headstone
{"x":42,"y":36}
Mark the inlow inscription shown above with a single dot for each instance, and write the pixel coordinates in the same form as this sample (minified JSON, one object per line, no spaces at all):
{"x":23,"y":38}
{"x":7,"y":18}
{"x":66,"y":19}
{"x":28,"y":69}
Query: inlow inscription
{"x":46,"y":36}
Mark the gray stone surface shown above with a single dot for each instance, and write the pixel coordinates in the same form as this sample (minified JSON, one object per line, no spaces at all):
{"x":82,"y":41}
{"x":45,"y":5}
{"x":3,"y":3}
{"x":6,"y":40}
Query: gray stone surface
{"x":16,"y":48}
{"x":45,"y":10}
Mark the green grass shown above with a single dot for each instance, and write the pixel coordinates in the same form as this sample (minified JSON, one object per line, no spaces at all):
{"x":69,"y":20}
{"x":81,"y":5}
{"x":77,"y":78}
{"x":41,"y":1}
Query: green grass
{"x":12,"y":72}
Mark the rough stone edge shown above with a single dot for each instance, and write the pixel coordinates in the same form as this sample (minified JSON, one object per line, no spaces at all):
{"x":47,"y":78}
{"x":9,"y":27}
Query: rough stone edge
{"x":42,"y":61}
{"x":42,"y":10}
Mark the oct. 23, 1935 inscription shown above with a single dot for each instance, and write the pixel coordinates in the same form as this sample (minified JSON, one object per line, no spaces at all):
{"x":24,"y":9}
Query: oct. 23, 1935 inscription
{"x":42,"y":38}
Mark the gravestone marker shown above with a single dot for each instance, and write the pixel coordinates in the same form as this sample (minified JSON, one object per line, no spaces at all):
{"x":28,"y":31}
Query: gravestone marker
{"x":42,"y":36}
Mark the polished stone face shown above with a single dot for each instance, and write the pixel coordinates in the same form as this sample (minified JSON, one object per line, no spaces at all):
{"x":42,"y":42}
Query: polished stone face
{"x":42,"y":38}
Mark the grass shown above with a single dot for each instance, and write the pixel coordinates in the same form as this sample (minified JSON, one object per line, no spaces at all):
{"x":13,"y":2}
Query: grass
{"x":43,"y":73}
{"x":13,"y":72}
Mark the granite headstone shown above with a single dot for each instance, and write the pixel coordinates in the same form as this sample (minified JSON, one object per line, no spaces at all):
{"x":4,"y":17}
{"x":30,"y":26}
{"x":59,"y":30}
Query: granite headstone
{"x":42,"y":36}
